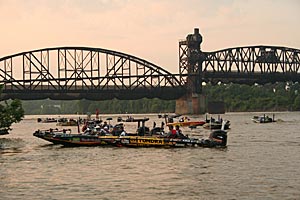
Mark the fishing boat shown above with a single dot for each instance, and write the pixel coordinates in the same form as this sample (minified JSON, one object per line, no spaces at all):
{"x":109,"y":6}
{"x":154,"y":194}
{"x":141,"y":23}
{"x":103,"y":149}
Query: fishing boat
{"x":4,"y":131}
{"x":187,"y":123}
{"x":67,"y":122}
{"x":213,"y":123}
{"x":47,"y":120}
{"x":131,"y":119}
{"x":216,"y":125}
{"x":263,"y":119}
{"x":183,"y":121}
{"x":64,"y":137}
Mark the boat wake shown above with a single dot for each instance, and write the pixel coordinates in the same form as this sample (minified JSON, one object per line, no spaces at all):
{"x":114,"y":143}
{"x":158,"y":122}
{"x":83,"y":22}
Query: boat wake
{"x":11,"y":145}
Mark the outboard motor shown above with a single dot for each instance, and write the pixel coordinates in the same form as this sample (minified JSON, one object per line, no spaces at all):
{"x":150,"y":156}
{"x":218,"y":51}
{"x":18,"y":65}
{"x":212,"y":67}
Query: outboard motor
{"x":219,"y":137}
{"x":119,"y":119}
{"x":170,"y":120}
{"x":143,"y":130}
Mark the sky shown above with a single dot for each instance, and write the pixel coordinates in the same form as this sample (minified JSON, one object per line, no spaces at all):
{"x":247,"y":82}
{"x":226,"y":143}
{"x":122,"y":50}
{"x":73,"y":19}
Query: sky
{"x":149,"y":29}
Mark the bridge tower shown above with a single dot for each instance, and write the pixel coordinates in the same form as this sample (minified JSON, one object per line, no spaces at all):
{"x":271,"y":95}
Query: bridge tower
{"x":190,"y":69}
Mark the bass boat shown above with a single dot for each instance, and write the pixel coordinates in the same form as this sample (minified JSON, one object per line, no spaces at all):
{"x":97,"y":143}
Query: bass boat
{"x":217,"y":125}
{"x":4,"y":131}
{"x":187,"y":123}
{"x":263,"y":119}
{"x":183,"y":121}
{"x":217,"y":138}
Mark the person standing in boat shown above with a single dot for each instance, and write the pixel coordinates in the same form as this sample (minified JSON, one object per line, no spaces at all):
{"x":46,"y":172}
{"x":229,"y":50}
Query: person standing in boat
{"x":97,"y":130}
{"x":172,"y":133}
{"x":104,"y":124}
{"x":123,"y":133}
{"x":105,"y":131}
{"x":179,"y":133}
{"x":87,"y":131}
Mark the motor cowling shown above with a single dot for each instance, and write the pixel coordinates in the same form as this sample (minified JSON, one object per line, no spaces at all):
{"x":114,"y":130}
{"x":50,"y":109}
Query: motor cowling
{"x":219,"y":137}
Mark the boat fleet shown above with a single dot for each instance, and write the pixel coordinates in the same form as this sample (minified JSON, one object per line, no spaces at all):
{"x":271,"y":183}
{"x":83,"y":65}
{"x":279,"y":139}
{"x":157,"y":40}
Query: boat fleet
{"x":98,"y":133}
{"x":95,"y":132}
{"x":208,"y":123}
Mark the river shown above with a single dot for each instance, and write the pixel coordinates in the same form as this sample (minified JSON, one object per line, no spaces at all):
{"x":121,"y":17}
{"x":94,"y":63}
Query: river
{"x":262,"y":161}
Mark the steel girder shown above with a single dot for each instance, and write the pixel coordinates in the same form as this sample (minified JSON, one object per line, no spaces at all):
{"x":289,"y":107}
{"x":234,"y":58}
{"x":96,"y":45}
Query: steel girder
{"x":253,"y":64}
{"x":85,"y":72}
{"x":249,"y":65}
{"x":95,"y":73}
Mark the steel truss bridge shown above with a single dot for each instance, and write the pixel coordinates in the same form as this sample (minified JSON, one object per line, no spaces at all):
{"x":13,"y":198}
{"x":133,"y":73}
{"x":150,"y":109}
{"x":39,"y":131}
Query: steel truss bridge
{"x":83,"y":72}
{"x":247,"y":65}
{"x":99,"y":74}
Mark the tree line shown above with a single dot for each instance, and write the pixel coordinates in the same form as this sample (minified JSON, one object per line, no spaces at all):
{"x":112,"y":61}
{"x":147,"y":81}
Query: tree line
{"x":269,"y":97}
{"x":108,"y":106}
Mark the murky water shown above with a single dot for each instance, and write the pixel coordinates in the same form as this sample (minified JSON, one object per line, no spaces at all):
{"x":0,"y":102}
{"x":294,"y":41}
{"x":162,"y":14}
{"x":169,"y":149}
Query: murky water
{"x":262,"y":161}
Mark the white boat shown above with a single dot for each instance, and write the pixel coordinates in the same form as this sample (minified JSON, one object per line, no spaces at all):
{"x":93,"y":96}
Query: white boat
{"x":263,"y":119}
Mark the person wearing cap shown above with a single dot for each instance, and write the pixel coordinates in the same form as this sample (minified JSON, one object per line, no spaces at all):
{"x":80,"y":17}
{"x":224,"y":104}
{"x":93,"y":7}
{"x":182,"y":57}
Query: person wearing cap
{"x":105,"y":131}
{"x":179,"y":132}
{"x":172,"y":133}
{"x":104,"y":124}
{"x":97,"y":130}
{"x":87,"y":131}
{"x":123,"y":133}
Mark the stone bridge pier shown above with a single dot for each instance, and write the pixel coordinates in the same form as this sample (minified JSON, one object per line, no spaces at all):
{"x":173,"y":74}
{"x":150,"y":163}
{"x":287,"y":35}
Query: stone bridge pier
{"x":191,"y":104}
{"x":190,"y":63}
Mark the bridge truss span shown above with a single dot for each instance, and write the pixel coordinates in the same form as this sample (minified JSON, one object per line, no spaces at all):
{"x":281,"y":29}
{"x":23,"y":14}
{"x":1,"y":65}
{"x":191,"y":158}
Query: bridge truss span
{"x":84,"y":72}
{"x":259,"y":64}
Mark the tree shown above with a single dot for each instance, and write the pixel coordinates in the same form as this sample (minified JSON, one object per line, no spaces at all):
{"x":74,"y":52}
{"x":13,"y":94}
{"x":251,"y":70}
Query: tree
{"x":10,"y":112}
{"x":296,"y":105}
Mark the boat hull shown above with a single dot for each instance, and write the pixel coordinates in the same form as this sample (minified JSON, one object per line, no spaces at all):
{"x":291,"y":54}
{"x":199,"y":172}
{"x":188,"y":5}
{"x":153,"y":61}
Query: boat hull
{"x":4,"y":131}
{"x":165,"y":142}
{"x":195,"y":123}
{"x":262,"y":119}
{"x":126,"y":141}
{"x":215,"y":126}
{"x":75,"y":139}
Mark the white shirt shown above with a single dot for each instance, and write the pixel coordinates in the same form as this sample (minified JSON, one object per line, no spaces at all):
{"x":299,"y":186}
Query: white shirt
{"x":123,"y":133}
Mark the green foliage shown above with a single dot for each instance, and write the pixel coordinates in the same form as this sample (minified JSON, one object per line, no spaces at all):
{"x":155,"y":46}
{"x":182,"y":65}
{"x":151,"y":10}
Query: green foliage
{"x":10,"y":112}
{"x":108,"y":106}
{"x":296,"y":104}
{"x":269,"y":97}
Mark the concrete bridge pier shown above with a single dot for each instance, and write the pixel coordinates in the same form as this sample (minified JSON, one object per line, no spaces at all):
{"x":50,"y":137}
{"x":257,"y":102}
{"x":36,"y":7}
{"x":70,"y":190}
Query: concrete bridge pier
{"x":191,"y":104}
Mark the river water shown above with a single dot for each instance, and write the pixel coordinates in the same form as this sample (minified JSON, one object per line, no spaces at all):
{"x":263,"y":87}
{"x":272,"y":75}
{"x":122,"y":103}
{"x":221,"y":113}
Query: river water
{"x":262,"y":161}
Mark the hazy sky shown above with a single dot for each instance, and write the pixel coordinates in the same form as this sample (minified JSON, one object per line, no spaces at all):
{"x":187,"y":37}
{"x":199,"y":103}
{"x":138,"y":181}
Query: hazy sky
{"x":149,"y":29}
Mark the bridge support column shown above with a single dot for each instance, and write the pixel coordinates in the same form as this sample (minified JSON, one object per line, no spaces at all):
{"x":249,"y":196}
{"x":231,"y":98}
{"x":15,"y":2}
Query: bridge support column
{"x":191,"y":104}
